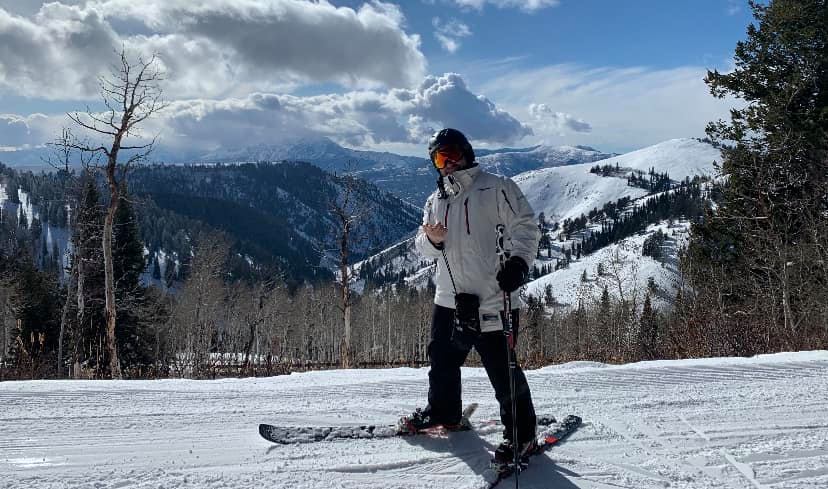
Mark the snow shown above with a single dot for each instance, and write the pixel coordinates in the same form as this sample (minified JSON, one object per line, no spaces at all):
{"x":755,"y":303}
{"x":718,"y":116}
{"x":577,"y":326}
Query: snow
{"x":565,"y":192}
{"x":513,"y":162}
{"x":625,"y":270}
{"x":26,"y":208}
{"x":569,"y":191}
{"x":712,"y":423}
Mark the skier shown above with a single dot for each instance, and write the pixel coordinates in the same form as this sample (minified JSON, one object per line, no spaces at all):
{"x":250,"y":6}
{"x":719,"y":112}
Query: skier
{"x":459,"y":230}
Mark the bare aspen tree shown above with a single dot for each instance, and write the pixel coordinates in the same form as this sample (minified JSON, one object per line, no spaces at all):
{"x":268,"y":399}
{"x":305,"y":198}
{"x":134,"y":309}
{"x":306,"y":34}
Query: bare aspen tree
{"x":347,"y":211}
{"x":63,"y":153}
{"x":200,"y":306}
{"x":132,"y":94}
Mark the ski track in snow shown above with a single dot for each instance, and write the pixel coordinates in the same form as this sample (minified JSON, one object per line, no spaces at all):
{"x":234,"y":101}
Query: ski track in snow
{"x":755,"y":423}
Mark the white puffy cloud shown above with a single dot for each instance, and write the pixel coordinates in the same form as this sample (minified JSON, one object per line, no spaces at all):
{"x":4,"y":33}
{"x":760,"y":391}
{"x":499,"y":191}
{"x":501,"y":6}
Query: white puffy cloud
{"x":58,"y":52}
{"x":447,"y":99}
{"x":551,"y":120}
{"x":448,"y":33}
{"x":358,"y":118}
{"x":208,"y":48}
{"x":309,"y":40}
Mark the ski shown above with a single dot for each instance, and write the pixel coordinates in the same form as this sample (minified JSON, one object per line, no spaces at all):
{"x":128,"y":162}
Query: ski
{"x":288,"y":435}
{"x":549,"y":437}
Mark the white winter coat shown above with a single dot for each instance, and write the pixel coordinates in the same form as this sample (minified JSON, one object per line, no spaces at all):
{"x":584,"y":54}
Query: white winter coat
{"x":478,"y":201}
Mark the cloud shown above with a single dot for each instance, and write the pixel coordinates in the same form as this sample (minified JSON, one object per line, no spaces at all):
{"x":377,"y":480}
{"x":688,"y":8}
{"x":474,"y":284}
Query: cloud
{"x":556,"y":121}
{"x":733,"y":7}
{"x":30,"y":7}
{"x":13,"y":130}
{"x":19,"y":131}
{"x":525,"y":5}
{"x":308,"y":40}
{"x":627,"y":108}
{"x":447,"y":99}
{"x":449,"y":33}
{"x":58,"y":52}
{"x":360,"y":118}
{"x":209,"y":48}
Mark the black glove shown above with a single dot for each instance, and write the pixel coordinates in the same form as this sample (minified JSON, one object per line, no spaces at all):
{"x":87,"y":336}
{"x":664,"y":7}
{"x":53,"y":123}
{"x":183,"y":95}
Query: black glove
{"x":513,"y":274}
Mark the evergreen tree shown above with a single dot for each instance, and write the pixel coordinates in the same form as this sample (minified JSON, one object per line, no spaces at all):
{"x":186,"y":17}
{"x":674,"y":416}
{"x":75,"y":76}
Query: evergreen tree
{"x":35,"y":304}
{"x":134,"y":345}
{"x":87,"y":328}
{"x":648,"y":331}
{"x":156,"y":267}
{"x":760,"y":256}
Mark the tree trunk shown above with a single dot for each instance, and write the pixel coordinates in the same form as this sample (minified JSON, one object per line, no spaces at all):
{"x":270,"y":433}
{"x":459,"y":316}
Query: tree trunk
{"x":346,"y":297}
{"x":64,"y":318}
{"x":109,"y":273}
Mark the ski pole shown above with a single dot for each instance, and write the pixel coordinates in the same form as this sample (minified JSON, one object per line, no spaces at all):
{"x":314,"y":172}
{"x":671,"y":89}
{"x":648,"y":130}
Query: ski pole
{"x":510,"y":353}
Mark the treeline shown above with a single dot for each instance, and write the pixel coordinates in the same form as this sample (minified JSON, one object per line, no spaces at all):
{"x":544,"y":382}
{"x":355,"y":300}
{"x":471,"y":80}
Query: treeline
{"x":215,"y":323}
{"x":652,"y":181}
{"x":757,"y":265}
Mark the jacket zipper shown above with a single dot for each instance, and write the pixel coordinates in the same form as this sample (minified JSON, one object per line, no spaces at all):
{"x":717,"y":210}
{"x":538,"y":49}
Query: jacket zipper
{"x":466,"y":205}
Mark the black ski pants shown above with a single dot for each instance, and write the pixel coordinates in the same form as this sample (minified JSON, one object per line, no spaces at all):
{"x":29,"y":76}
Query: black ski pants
{"x":444,"y":396}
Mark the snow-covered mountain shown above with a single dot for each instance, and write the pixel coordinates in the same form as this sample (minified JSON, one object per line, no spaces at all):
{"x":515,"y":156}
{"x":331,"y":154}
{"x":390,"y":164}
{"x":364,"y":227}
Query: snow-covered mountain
{"x":567,"y":192}
{"x":278,"y":213}
{"x":411,"y":178}
{"x":513,"y":162}
{"x":688,"y":424}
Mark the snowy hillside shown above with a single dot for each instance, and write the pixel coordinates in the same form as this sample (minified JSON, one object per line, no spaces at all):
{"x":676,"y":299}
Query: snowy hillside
{"x":569,"y":191}
{"x":625,"y":271}
{"x":56,"y":238}
{"x":746,"y":423}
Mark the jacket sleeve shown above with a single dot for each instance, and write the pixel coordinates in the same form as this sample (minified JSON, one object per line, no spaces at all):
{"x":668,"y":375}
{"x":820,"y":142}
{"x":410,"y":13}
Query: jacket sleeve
{"x":519,"y":219}
{"x":421,"y":242}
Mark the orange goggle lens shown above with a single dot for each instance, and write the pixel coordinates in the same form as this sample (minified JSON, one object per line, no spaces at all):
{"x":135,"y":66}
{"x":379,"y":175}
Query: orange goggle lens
{"x":441,"y":158}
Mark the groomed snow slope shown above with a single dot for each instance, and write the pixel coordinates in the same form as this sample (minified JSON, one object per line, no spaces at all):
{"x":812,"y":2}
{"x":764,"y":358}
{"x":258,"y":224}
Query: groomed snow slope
{"x":718,"y":423}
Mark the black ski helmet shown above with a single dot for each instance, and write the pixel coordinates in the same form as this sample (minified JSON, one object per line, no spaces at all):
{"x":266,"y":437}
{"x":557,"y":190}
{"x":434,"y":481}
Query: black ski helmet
{"x":450,"y":137}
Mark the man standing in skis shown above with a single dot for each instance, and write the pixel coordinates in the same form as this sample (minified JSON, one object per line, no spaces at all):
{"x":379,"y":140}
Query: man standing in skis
{"x":484,"y":235}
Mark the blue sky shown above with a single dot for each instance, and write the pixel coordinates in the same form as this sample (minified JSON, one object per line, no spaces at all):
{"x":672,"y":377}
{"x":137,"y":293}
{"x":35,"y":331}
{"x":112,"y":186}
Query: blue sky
{"x":592,"y":32}
{"x":379,"y":75}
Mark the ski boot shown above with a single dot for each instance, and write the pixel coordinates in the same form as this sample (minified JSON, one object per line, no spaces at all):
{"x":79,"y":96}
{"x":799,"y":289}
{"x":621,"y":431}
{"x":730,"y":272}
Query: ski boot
{"x":421,"y":420}
{"x":504,"y":456}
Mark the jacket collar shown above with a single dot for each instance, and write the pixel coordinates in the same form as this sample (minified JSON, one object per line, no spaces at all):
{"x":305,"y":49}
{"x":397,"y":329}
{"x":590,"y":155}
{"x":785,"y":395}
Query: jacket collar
{"x":463,"y":178}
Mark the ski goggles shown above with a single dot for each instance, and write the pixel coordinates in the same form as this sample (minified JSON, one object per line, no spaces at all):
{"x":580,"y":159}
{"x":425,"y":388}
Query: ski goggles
{"x":443,"y":156}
